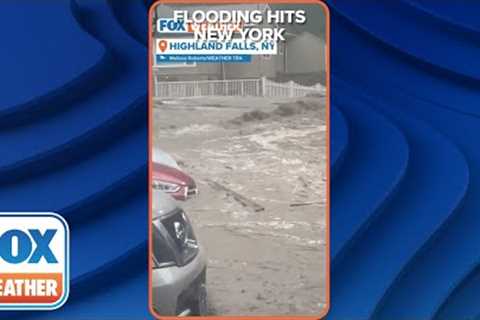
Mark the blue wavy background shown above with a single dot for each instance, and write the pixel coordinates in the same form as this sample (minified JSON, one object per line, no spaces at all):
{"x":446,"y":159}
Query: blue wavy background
{"x":406,"y":159}
{"x":405,"y":153}
{"x":73,"y":116}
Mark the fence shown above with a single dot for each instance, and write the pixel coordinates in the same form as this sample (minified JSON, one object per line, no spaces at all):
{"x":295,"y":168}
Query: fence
{"x":241,"y":87}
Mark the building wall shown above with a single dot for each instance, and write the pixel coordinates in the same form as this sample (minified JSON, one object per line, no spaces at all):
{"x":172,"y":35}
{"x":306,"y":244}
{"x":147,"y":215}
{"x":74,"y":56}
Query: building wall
{"x":203,"y":71}
{"x":259,"y":67}
{"x":305,"y":54}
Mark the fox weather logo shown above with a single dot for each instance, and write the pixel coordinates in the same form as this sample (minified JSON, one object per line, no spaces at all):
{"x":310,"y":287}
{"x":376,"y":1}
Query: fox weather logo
{"x":173,"y":26}
{"x":34,"y":261}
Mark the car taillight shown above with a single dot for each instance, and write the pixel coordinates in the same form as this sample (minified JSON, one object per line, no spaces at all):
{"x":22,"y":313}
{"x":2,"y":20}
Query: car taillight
{"x":167,"y":187}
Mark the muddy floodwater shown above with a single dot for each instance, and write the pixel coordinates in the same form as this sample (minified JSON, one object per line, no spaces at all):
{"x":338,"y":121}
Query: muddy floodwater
{"x":260,"y":165}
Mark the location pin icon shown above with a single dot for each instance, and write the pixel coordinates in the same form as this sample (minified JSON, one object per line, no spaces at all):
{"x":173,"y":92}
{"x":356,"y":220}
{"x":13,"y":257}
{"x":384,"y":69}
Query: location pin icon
{"x":162,"y":45}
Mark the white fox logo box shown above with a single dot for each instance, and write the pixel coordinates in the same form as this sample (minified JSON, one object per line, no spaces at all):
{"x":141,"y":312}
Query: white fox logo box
{"x":34,"y":261}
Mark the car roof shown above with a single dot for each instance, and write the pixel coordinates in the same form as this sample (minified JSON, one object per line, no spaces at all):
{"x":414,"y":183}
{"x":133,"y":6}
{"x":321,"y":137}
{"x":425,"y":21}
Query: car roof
{"x":162,"y":203}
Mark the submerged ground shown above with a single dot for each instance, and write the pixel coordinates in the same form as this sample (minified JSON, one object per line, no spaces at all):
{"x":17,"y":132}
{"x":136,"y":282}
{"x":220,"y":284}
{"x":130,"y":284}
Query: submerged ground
{"x":261,"y":213}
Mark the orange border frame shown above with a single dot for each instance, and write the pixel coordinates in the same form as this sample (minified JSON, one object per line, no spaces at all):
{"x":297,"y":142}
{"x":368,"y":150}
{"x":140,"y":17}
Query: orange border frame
{"x":150,"y":148}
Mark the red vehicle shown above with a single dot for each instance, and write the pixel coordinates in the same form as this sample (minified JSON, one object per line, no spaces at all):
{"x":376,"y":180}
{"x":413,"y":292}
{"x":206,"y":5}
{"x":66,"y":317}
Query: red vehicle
{"x":173,"y":181}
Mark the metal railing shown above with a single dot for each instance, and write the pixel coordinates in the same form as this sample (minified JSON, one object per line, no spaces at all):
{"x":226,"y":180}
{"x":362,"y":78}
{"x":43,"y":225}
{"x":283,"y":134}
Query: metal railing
{"x":262,"y":87}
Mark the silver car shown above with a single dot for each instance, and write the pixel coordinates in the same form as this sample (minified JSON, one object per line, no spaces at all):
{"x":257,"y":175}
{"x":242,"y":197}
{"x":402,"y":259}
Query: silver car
{"x":179,"y":264}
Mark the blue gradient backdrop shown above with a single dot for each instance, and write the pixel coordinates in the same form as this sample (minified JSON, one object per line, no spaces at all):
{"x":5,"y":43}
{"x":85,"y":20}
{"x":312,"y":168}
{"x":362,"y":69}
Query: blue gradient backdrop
{"x":405,"y":151}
